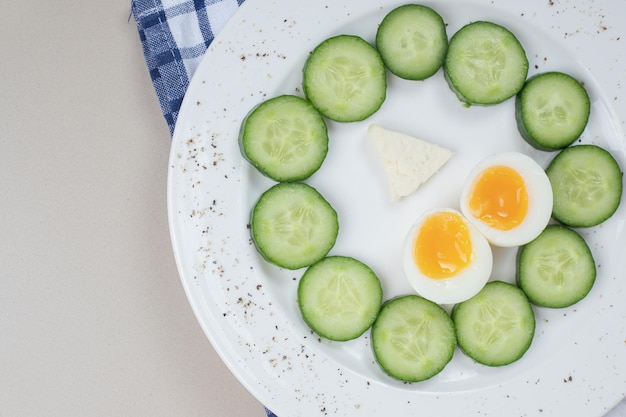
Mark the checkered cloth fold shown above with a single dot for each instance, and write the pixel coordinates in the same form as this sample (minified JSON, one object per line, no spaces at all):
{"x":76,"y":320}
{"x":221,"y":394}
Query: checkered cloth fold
{"x":174,"y":35}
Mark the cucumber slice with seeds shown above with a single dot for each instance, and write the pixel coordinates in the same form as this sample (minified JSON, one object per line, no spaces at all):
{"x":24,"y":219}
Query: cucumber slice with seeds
{"x":485,"y":64}
{"x":413,"y":338}
{"x":496,"y":326}
{"x":293,"y":226}
{"x":285,"y":138}
{"x":556,"y":269}
{"x":587,"y":185}
{"x":339,"y":297}
{"x":345,"y":78}
{"x":412,"y":41}
{"x":552,"y":110}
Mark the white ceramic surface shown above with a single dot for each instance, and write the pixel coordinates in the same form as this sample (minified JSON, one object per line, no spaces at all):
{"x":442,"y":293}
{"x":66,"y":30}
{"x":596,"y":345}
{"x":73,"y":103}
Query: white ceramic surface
{"x":247,"y":308}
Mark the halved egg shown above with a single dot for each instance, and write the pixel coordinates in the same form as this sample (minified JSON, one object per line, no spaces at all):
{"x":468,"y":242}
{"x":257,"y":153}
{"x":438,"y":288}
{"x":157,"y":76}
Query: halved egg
{"x":445,"y":258}
{"x":508,"y":197}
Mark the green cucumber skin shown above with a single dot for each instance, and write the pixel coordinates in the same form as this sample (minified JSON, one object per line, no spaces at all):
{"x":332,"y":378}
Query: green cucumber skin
{"x":266,"y":245}
{"x":278,"y":172}
{"x":344,"y":112}
{"x":447,"y":339}
{"x":524,"y":132}
{"x":607,"y":170}
{"x":482,"y":99}
{"x":494,"y":293}
{"x":533,"y":139}
{"x":416,"y":71}
{"x":536,"y":291}
{"x":369,"y":303}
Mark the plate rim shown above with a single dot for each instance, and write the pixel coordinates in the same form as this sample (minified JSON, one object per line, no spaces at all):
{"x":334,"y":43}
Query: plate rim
{"x":239,"y":370}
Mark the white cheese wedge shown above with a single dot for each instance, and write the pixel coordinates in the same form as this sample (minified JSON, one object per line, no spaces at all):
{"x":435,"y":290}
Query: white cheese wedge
{"x":408,"y":162}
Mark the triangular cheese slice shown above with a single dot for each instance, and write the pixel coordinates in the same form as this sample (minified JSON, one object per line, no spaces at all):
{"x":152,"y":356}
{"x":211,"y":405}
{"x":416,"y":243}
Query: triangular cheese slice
{"x":408,"y":162}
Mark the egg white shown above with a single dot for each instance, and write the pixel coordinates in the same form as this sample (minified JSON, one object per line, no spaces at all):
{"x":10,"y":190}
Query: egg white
{"x":460,"y":287}
{"x":539,"y":199}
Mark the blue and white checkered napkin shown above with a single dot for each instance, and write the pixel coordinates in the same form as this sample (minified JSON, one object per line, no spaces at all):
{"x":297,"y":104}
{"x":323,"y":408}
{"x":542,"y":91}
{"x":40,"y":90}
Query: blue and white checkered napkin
{"x":174,"y":35}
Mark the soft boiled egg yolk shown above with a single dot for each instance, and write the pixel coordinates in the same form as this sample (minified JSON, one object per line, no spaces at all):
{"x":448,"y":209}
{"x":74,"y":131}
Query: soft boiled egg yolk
{"x":508,"y":197}
{"x":446,"y":259}
{"x":499,"y":198}
{"x":443,"y":247}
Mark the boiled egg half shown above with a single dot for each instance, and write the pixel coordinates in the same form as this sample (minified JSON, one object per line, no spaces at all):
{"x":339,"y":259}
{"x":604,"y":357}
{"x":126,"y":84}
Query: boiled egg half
{"x":508,"y":197}
{"x":445,"y":258}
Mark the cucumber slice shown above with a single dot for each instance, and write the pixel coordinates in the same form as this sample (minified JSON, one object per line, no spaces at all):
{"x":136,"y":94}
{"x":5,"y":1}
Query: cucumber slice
{"x":496,"y":326}
{"x":413,"y":339}
{"x":552,"y":110}
{"x":345,"y":78}
{"x":587,"y":185}
{"x":339,"y":297}
{"x":285,"y":138}
{"x":485,"y":63}
{"x":293,"y":226}
{"x":556,"y":269}
{"x":412,"y":41}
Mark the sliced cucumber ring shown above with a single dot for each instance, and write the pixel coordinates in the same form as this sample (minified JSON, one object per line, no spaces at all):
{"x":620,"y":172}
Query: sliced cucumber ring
{"x":556,"y":269}
{"x":339,"y":297}
{"x":413,"y":338}
{"x":285,"y":138}
{"x":485,"y":64}
{"x":413,"y":42}
{"x":552,"y":110}
{"x":587,"y":185}
{"x":293,"y":226}
{"x":345,"y":78}
{"x":496,"y":326}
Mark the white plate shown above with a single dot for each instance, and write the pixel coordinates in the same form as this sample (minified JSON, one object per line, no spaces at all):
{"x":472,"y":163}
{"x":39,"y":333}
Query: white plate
{"x":577,"y":363}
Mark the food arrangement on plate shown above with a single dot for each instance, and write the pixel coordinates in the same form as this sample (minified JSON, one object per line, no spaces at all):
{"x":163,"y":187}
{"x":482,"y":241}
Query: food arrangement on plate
{"x":508,"y":200}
